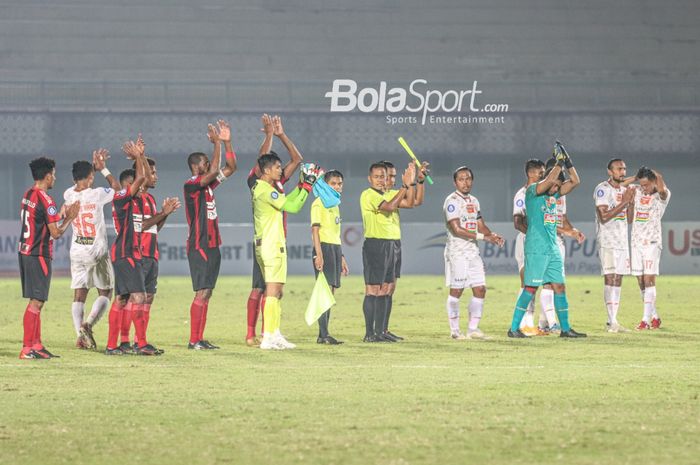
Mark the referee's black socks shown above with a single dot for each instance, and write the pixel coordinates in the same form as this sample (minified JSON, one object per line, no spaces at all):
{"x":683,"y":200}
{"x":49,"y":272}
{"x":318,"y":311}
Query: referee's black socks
{"x":389,"y":302}
{"x":369,"y":309}
{"x":380,"y":314}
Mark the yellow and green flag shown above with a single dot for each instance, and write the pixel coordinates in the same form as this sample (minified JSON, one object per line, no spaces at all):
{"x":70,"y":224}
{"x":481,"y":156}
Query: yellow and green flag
{"x":321,"y":300}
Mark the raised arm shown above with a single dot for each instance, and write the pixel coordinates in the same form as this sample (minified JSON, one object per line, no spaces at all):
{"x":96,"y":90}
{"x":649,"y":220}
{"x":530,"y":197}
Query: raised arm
{"x":572,"y":183}
{"x":215,"y":162}
{"x":295,"y":157}
{"x":395,"y":203}
{"x":99,"y":162}
{"x":225,"y":137}
{"x":547,"y":183}
{"x":661,"y":185}
{"x":136,"y":153}
{"x":420,"y":188}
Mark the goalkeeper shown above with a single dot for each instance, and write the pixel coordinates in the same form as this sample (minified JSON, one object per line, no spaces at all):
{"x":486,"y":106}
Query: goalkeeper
{"x":543,"y":260}
{"x":270,"y":243}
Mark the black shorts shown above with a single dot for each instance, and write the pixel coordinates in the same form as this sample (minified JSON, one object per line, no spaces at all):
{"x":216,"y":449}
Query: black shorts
{"x":150,"y":274}
{"x":379,"y":261}
{"x":332,"y":263}
{"x":128,"y":276}
{"x":258,"y":278}
{"x":204,"y":267}
{"x":36,"y":277}
{"x":397,"y":258}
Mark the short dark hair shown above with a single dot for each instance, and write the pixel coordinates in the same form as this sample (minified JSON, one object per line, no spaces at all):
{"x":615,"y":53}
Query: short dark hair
{"x":646,"y":173}
{"x":151,"y":162}
{"x":126,"y":174}
{"x":387,"y":163}
{"x":268,"y":159}
{"x":533,"y":163}
{"x":41,"y":167}
{"x":377,"y":166}
{"x":332,"y":174}
{"x":194,"y":158}
{"x":82,"y":170}
{"x":462,"y":168}
{"x":613,"y":160}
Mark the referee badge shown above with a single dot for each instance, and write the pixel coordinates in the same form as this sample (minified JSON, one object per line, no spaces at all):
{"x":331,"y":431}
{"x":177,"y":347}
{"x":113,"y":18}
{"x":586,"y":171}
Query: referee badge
{"x":274,"y":195}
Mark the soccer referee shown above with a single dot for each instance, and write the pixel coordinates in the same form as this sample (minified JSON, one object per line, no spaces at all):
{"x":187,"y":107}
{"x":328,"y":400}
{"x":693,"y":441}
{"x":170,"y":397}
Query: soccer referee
{"x":378,"y":250}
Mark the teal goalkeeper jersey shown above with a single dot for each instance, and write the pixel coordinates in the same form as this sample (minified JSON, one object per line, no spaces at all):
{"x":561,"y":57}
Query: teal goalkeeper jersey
{"x":541,"y":237}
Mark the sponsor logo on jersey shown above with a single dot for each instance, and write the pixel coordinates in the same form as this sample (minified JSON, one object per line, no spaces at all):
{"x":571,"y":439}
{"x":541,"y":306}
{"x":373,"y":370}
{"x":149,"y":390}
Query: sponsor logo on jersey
{"x":550,"y":218}
{"x":470,"y":226}
{"x":641,"y":217}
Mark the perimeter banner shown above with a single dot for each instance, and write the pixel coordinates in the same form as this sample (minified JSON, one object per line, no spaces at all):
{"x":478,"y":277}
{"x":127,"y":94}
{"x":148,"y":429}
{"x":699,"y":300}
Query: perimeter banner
{"x":422,"y":245}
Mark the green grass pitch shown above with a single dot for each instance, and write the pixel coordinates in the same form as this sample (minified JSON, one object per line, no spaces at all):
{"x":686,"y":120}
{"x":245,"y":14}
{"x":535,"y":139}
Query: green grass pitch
{"x":611,"y":399}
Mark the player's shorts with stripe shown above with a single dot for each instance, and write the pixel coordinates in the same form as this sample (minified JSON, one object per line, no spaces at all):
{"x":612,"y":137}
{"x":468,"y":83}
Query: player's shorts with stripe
{"x":332,"y":263}
{"x":562,"y":251}
{"x":273,"y":263}
{"x":397,"y":258}
{"x":86,"y":274}
{"x":614,"y":261}
{"x":463,"y":271}
{"x":204,"y":267}
{"x":35,"y":273}
{"x":258,"y":278}
{"x":645,"y":259}
{"x":150,"y":274}
{"x":128,"y":276}
{"x":543,"y":268}
{"x":379,"y":261}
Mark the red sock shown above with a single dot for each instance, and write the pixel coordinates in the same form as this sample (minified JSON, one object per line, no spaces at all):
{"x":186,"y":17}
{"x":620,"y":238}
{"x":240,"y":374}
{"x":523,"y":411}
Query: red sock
{"x":37,"y":333}
{"x":146,"y":315}
{"x":253,"y":312}
{"x":203,"y":321}
{"x":127,"y":318}
{"x":195,"y":319}
{"x":115,"y":320}
{"x":31,"y":316}
{"x":139,"y":324}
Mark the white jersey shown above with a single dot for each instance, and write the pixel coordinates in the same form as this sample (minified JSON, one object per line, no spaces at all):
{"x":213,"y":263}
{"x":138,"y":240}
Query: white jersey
{"x":648,"y":211}
{"x":467,"y":210}
{"x":613,"y":234}
{"x":89,"y":240}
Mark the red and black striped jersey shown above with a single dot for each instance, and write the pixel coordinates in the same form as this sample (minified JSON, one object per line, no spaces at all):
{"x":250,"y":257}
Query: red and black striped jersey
{"x":128,"y":225}
{"x":37,"y":211}
{"x":200,"y":209}
{"x":148,"y":238}
{"x":279,"y":185}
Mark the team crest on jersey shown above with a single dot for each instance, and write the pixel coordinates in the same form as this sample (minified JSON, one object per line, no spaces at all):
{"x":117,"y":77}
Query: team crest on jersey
{"x":450,"y":208}
{"x":600,"y":193}
{"x":274,"y":195}
{"x":471,"y":208}
{"x":551,"y":201}
{"x":519,"y":202}
{"x":122,"y":192}
{"x":52,"y":210}
{"x":645,"y":200}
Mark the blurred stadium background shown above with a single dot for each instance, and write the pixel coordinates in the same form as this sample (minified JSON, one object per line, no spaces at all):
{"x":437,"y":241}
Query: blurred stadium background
{"x":608,"y":79}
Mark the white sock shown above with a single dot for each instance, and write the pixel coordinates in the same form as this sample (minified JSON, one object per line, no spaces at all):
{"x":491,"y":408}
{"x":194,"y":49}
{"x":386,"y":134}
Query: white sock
{"x":452,"y":306}
{"x":528,"y":320}
{"x":99,"y":307}
{"x":607,"y":296}
{"x":547,"y":303}
{"x":615,"y":292}
{"x":476,"y":308}
{"x":649,"y":303}
{"x":77,"y":309}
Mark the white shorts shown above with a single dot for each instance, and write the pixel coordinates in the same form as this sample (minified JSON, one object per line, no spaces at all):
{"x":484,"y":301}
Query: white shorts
{"x":520,"y":250}
{"x":462,"y":271}
{"x":86,"y":274}
{"x":645,"y":260}
{"x":614,"y":261}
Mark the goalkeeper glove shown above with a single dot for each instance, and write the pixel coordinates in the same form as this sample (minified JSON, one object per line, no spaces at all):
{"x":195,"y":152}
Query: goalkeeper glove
{"x":308,"y":174}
